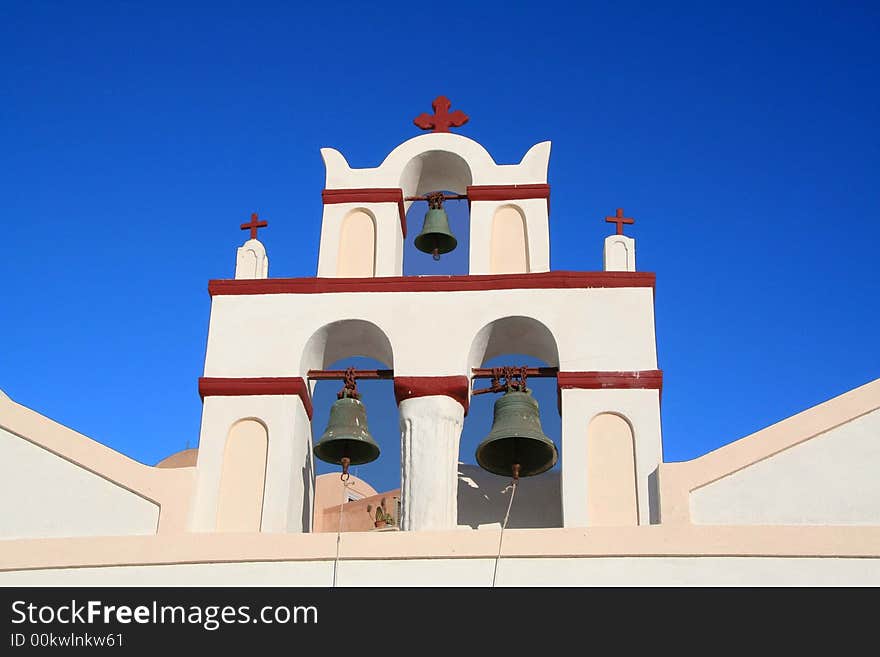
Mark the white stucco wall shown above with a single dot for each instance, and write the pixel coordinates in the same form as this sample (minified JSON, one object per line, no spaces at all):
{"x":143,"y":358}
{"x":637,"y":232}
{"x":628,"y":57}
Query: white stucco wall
{"x":828,"y":480}
{"x":595,"y":329}
{"x":289,"y":482}
{"x":641,"y":409}
{"x":45,"y":495}
{"x":583,"y":571}
{"x":436,"y":162}
{"x":483,"y":499}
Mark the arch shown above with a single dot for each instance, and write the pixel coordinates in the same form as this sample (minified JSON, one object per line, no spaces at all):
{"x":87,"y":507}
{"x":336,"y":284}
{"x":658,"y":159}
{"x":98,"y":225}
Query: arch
{"x":612,"y":497}
{"x":243,"y":477}
{"x":515,"y":334}
{"x":357,"y":245}
{"x":436,"y":170}
{"x":508,"y":246}
{"x":343,"y":339}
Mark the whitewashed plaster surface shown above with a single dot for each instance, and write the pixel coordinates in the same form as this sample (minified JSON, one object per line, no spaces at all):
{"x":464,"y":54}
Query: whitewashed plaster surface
{"x":43,"y":495}
{"x":831,"y":479}
{"x":584,"y":571}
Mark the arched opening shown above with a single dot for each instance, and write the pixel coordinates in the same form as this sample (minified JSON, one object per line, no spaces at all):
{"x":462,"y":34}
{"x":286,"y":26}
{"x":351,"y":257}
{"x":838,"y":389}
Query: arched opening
{"x":364,"y":346}
{"x":509,"y":246}
{"x":611,"y":472}
{"x":243,"y":478}
{"x":437,"y":171}
{"x":482,"y":496}
{"x":357,"y":245}
{"x":343,"y":339}
{"x":383,"y":474}
{"x":454,"y":263}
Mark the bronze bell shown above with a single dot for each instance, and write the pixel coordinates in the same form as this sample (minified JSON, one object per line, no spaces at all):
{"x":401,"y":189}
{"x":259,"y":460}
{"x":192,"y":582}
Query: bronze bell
{"x":347,"y":435}
{"x":436,"y":236}
{"x":516,"y":438}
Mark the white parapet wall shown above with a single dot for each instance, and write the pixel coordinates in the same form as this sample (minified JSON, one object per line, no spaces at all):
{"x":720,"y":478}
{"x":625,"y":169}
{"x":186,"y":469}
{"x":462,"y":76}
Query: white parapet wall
{"x":831,"y":479}
{"x":42,"y":496}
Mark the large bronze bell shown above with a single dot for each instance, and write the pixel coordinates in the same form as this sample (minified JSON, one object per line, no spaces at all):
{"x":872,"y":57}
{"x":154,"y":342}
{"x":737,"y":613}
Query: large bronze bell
{"x":516,"y":438}
{"x":436,"y":236}
{"x":347,"y":435}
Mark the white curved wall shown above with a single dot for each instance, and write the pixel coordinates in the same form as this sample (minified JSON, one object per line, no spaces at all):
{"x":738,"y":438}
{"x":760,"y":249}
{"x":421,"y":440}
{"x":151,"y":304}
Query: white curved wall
{"x":43,"y":495}
{"x":828,"y":480}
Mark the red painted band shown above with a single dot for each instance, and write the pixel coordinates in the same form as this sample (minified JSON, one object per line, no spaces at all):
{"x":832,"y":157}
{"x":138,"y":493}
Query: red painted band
{"x":652,"y":379}
{"x":543,"y":280}
{"x":507,"y":192}
{"x":457,"y":387}
{"x":237,"y":387}
{"x":368,"y":195}
{"x":634,"y":380}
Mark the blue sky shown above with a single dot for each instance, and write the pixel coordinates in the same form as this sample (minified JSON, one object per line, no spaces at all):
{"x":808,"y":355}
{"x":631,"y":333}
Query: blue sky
{"x":138,"y":136}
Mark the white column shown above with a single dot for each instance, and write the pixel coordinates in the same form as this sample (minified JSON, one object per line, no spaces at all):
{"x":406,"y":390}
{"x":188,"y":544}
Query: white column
{"x":430,"y":430}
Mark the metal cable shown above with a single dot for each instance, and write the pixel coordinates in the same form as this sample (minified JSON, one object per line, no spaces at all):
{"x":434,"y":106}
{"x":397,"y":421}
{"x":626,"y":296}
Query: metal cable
{"x":503,"y":527}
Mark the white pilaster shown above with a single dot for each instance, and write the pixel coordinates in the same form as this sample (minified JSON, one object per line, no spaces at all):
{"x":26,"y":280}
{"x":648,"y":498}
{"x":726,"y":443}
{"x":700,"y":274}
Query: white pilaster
{"x":430,"y":430}
{"x":641,"y":409}
{"x":619,"y":253}
{"x":289,"y":483}
{"x":251,"y":260}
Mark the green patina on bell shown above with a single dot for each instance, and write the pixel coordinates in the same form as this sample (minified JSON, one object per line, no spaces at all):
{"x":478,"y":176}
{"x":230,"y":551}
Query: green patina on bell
{"x":436,"y":237}
{"x":347,"y":434}
{"x":517,"y":438}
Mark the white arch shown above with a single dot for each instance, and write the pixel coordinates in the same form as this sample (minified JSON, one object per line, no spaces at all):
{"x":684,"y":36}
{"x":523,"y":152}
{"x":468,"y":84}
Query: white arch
{"x":514,"y":334}
{"x":343,"y":339}
{"x":484,"y":171}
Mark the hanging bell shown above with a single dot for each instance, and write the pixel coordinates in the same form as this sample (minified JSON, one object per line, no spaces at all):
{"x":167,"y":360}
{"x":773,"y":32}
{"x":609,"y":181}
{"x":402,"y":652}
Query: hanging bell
{"x":436,"y":237}
{"x":516,"y":438}
{"x":347,"y":435}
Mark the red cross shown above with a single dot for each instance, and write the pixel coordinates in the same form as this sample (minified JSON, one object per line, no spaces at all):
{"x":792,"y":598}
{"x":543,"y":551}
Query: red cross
{"x":253,"y":225}
{"x":442,"y":117}
{"x":619,"y":220}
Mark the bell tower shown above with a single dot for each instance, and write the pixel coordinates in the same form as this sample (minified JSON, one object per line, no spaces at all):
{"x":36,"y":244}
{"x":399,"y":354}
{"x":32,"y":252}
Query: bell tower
{"x":270,"y":338}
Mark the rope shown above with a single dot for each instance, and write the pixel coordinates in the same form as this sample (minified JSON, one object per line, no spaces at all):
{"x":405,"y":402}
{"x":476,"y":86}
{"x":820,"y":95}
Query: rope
{"x":503,"y":527}
{"x":345,"y":484}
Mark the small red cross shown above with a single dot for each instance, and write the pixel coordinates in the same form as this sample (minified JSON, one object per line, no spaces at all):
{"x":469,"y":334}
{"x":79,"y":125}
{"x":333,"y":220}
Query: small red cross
{"x":619,"y":220}
{"x":253,"y":225}
{"x":442,"y":117}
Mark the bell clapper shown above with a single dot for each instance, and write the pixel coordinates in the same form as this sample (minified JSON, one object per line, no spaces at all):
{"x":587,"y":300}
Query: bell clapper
{"x":516,"y":468}
{"x":436,"y":253}
{"x":345,"y":462}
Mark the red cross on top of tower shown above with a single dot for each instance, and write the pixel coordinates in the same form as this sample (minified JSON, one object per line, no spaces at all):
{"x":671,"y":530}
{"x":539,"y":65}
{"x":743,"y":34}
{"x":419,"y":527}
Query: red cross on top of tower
{"x":442,"y":118}
{"x":619,"y":219}
{"x":254,"y":225}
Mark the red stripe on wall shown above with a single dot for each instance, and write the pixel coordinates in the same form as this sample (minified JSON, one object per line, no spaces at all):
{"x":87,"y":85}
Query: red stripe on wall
{"x":457,"y":387}
{"x":368,"y":195}
{"x":544,"y":280}
{"x":507,"y":192}
{"x":237,"y":387}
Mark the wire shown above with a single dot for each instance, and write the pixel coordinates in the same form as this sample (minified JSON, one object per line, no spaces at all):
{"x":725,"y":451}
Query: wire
{"x":345,"y":484}
{"x":503,"y":527}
